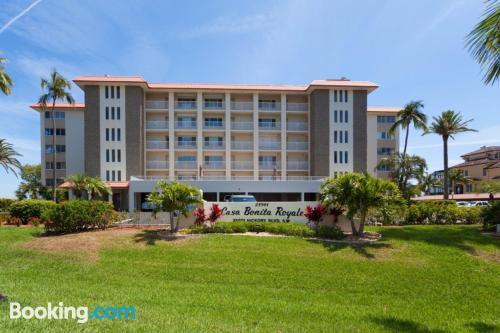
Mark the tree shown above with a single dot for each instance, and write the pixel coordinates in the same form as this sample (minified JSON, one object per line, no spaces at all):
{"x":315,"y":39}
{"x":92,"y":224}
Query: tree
{"x":8,"y":157}
{"x":31,"y":184}
{"x":484,"y":42}
{"x":93,"y":186}
{"x":489,"y":186}
{"x":5,"y":80}
{"x":447,"y":125}
{"x":427,"y":182}
{"x":456,"y":176}
{"x":174,"y":198}
{"x":358,"y":193}
{"x":411,"y":114}
{"x":404,"y":170}
{"x":78,"y":184}
{"x":55,"y":89}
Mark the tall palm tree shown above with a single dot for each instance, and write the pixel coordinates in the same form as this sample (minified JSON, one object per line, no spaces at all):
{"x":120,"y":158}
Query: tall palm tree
{"x":8,"y":159}
{"x":5,"y":80}
{"x":410,"y":115}
{"x":484,"y":42}
{"x":56,"y":88}
{"x":403,"y":170}
{"x":447,"y":125}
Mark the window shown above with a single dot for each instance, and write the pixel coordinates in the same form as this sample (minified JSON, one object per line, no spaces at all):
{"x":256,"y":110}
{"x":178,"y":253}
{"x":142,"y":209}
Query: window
{"x":49,"y":149}
{"x":214,"y":159}
{"x":384,"y":151}
{"x":215,"y":103}
{"x":60,"y":148}
{"x":267,"y":123}
{"x":267,"y":159}
{"x":335,"y":157}
{"x":61,"y":165}
{"x":485,"y":172}
{"x":334,"y":136}
{"x":107,"y":175}
{"x":107,"y":134}
{"x":113,"y":174}
{"x":112,"y":93}
{"x":381,"y":135}
{"x":113,"y":112}
{"x":112,"y":134}
{"x":119,"y":155}
{"x":335,"y":96}
{"x":340,"y":96}
{"x":341,"y":138}
{"x":346,"y":153}
{"x":466,"y":173}
{"x":345,"y":116}
{"x":346,"y":135}
{"x":106,"y":92}
{"x":119,"y":172}
{"x":118,"y":92}
{"x":345,"y":97}
{"x":468,"y":187}
{"x":118,"y":111}
{"x":57,"y":115}
{"x":49,"y":131}
{"x":391,"y":119}
{"x":112,"y":155}
{"x":213,"y":122}
{"x":61,"y":131}
{"x":341,"y":157}
{"x":107,"y":112}
{"x":186,"y":158}
{"x":107,"y":155}
{"x":335,"y":115}
{"x":118,"y":134}
{"x":49,"y":165}
{"x":341,"y":116}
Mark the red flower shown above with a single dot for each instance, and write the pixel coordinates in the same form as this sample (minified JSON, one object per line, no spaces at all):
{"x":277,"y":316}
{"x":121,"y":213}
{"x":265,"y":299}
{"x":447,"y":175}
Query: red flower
{"x":314,"y":214}
{"x":199,"y":213}
{"x":215,"y":213}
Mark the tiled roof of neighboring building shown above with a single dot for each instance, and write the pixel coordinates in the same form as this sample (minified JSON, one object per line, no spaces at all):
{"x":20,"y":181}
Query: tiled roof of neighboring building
{"x":465,"y":196}
{"x":369,"y":86}
{"x":474,"y":162}
{"x":383,"y":109}
{"x":483,"y":149}
{"x":494,"y":166}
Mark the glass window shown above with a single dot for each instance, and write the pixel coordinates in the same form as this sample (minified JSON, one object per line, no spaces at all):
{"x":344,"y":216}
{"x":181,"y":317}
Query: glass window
{"x":213,"y":122}
{"x":335,"y":157}
{"x":107,"y":112}
{"x":49,"y":131}
{"x":112,"y":134}
{"x":346,"y":135}
{"x":335,"y":96}
{"x":112,"y":155}
{"x":119,"y":155}
{"x":335,"y":114}
{"x":341,"y":138}
{"x":118,"y":112}
{"x":186,"y":158}
{"x":113,"y":96}
{"x":61,"y":165}
{"x":107,"y":175}
{"x":341,"y":116}
{"x":113,"y":112}
{"x":345,"y":116}
{"x":346,"y":153}
{"x":61,"y":131}
{"x":118,"y":134}
{"x":334,"y":136}
{"x":106,"y":92}
{"x":107,"y":155}
{"x":380,"y":119}
{"x":118,"y":92}
{"x":119,"y":172}
{"x":60,"y":148}
{"x":113,"y":174}
{"x":49,"y":149}
{"x":107,"y":134}
{"x":48,"y":165}
{"x":345,"y":97}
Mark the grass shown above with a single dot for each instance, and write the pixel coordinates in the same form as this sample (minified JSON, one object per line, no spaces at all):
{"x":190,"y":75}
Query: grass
{"x":418,"y":279}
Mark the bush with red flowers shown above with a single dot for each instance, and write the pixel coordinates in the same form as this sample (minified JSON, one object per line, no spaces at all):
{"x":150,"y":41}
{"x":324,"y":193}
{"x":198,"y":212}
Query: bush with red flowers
{"x":314,"y":214}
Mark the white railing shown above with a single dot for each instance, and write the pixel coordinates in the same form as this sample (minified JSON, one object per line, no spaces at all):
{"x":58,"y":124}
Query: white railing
{"x":297,"y":165}
{"x":185,"y":105}
{"x":297,"y":145}
{"x":242,"y":145}
{"x":156,"y":164}
{"x":185,"y":177}
{"x":297,"y":106}
{"x":276,"y":126}
{"x":185,"y":124}
{"x":214,"y":165}
{"x":185,"y":144}
{"x":269,"y":106}
{"x":213,"y":125}
{"x":185,"y":164}
{"x":213,"y":105}
{"x":152,"y":104}
{"x":240,"y":178}
{"x":213,"y":145}
{"x":156,"y":124}
{"x":296,"y":126}
{"x":242,"y":125}
{"x":242,"y":106}
{"x":269,"y":145}
{"x":154,"y":144}
{"x":269,"y":165}
{"x":242,"y":165}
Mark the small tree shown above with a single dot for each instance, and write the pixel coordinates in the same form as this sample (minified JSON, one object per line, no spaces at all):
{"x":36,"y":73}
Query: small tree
{"x":214,"y":215}
{"x":314,"y":214}
{"x":31,"y":182}
{"x":358,"y":193}
{"x":174,"y":198}
{"x":93,"y":186}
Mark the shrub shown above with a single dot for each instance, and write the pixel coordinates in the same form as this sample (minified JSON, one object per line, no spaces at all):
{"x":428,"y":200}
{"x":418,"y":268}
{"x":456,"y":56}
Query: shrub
{"x":329,"y":232}
{"x":491,"y":215}
{"x":471,"y":215}
{"x":441,"y":212}
{"x":5,"y":204}
{"x":314,"y":214}
{"x":388,"y":214}
{"x":79,"y":215}
{"x":27,"y":209}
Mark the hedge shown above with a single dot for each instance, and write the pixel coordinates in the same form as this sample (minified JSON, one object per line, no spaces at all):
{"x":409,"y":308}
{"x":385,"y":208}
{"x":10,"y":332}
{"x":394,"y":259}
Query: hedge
{"x":491,"y":216}
{"x":5,"y":204}
{"x":79,"y":215}
{"x":25,"y":211}
{"x":279,"y":228}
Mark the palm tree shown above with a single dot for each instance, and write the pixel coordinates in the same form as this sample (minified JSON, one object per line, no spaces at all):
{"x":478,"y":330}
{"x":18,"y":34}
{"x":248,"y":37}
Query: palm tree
{"x":484,"y":42}
{"x":55,"y":89}
{"x":403,"y":170}
{"x":8,"y":159}
{"x":456,"y":176}
{"x":96,"y":187}
{"x":78,"y":184}
{"x":411,"y":114}
{"x":5,"y":80}
{"x":427,"y":182}
{"x":447,"y":125}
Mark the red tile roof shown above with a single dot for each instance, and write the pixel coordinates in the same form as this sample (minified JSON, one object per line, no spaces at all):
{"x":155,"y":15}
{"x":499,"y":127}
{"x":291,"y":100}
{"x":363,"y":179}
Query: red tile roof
{"x":465,"y":196}
{"x":384,"y":109}
{"x":58,"y":105}
{"x":484,"y":149}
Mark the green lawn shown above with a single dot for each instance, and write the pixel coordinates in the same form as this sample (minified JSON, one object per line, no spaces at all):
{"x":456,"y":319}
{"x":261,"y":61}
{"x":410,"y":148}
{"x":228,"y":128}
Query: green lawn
{"x":418,"y":279}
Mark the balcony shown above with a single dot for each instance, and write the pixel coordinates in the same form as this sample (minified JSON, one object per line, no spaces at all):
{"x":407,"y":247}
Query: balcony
{"x":242,"y":125}
{"x":156,"y":144}
{"x":185,"y":164}
{"x":214,"y":165}
{"x":157,"y":105}
{"x":297,"y":145}
{"x":157,"y":165}
{"x":185,"y":124}
{"x":242,"y":145}
{"x":242,"y":106}
{"x":185,"y":144}
{"x":213,"y":145}
{"x":270,"y":145}
{"x":185,"y":105}
{"x":269,"y":165}
{"x":268,"y":126}
{"x":296,"y":126}
{"x":213,"y":105}
{"x":269,"y":106}
{"x":157,"y":124}
{"x":242,"y":165}
{"x":297,"y":165}
{"x":299,"y":107}
{"x":213,"y":125}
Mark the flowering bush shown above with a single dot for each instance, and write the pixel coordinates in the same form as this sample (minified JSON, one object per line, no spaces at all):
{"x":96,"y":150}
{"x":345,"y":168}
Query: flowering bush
{"x":336,"y":211}
{"x":214,"y":214}
{"x":200,"y":215}
{"x":314,"y":214}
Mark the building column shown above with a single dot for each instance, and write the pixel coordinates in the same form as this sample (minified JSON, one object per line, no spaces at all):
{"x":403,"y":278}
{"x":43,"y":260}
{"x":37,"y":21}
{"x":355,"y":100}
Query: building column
{"x":255,"y":136}
{"x":283,"y":136}
{"x":171,"y":136}
{"x":199,"y":132}
{"x":227,"y":122}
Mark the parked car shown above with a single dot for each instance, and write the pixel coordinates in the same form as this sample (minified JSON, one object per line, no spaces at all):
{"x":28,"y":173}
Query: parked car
{"x":480,"y":203}
{"x":239,"y":198}
{"x":463,"y":204}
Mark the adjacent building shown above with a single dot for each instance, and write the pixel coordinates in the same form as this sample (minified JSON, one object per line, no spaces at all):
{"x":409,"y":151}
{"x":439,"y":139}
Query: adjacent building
{"x":274,"y":141}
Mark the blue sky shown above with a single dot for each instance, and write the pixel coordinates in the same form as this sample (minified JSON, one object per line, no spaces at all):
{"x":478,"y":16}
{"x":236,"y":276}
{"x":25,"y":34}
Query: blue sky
{"x":412,"y":49}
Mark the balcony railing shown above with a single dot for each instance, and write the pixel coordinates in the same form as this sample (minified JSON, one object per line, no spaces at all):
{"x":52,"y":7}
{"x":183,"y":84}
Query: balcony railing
{"x":213,"y":145}
{"x":270,"y":145}
{"x":185,"y":164}
{"x":297,"y":106}
{"x":269,"y":106}
{"x":213,"y":125}
{"x":245,"y":178}
{"x":296,"y":145}
{"x":185,"y":144}
{"x":241,"y":125}
{"x":185,"y":105}
{"x":156,"y":144}
{"x":185,"y":124}
{"x":242,"y":165}
{"x":276,"y":126}
{"x":242,"y":106}
{"x":297,"y":165}
{"x":296,"y":126}
{"x":156,"y":165}
{"x":213,"y":105}
{"x":242,"y":145}
{"x":214,"y":165}
{"x":156,"y":124}
{"x":269,"y":165}
{"x":151,"y":104}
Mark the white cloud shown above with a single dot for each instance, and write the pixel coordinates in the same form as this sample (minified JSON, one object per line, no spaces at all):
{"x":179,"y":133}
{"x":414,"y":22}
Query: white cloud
{"x":485,"y":136}
{"x":41,"y":67}
{"x":18,"y":16}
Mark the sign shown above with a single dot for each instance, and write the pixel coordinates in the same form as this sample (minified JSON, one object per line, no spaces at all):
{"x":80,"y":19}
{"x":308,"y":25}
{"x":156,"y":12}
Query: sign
{"x":289,"y":211}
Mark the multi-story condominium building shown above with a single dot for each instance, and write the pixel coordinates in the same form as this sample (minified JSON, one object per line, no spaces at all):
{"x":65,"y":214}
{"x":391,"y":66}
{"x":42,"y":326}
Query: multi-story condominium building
{"x":274,"y":141}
